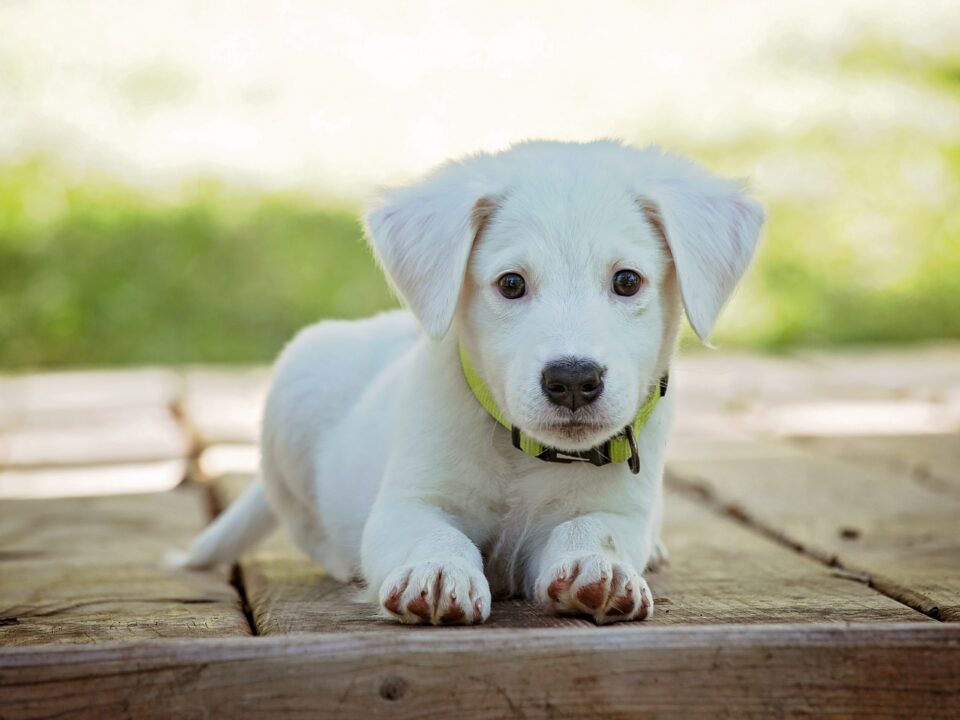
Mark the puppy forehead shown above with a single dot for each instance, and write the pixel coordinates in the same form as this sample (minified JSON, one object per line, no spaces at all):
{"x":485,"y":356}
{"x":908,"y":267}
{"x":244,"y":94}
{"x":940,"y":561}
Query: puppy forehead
{"x":580,"y":222}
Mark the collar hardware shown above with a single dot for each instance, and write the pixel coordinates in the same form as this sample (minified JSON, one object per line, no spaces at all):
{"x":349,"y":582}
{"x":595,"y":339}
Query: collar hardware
{"x":622,"y":447}
{"x":634,"y":452}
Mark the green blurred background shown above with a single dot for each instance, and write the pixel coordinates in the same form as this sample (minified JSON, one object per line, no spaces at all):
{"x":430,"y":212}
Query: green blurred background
{"x":862,"y":244}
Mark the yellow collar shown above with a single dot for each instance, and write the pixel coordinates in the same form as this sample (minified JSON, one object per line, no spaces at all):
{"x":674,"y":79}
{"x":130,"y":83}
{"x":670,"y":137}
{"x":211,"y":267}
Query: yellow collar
{"x":622,"y":447}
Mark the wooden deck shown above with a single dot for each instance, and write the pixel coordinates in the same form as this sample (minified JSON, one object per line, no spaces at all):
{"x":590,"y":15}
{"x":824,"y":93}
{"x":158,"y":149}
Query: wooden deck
{"x":813,"y":519}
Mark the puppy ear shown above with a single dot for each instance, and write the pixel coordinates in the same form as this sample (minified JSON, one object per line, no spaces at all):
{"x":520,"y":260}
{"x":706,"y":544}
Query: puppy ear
{"x":711,"y":228}
{"x":423,"y":235}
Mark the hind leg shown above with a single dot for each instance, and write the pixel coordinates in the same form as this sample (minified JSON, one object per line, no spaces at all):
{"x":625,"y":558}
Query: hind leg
{"x":305,"y":527}
{"x":297,"y":514}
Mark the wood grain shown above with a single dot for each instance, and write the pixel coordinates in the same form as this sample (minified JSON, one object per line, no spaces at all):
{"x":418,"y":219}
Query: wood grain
{"x":123,"y":436}
{"x":932,"y":460}
{"x":44,"y":398}
{"x":730,"y":395}
{"x":87,"y":570}
{"x":224,"y":406}
{"x":613,"y":672}
{"x":113,"y":479}
{"x":720,"y":573}
{"x":874,"y":520}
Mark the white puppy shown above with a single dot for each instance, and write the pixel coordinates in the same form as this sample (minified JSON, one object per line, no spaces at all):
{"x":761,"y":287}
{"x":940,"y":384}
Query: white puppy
{"x":552,"y":276}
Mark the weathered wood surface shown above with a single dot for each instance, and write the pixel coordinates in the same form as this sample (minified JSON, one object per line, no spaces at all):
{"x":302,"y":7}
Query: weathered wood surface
{"x":867,"y":517}
{"x":216,"y":461}
{"x":87,"y":570}
{"x":928,"y":372}
{"x":124,"y":436}
{"x":141,"y":477}
{"x":614,"y":672}
{"x":932,"y":460}
{"x":738,"y":395}
{"x":224,"y":406}
{"x":753,"y":526}
{"x":50,"y":397}
{"x":719,"y":573}
{"x":84,"y":433}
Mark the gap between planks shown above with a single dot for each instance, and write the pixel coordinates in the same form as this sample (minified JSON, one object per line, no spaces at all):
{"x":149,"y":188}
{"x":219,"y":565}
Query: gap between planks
{"x":214,"y":508}
{"x":196,"y":445}
{"x":703,"y":495}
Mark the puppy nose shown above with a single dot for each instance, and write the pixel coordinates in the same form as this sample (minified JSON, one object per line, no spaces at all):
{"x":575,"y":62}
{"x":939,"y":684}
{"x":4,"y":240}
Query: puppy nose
{"x":572,"y":382}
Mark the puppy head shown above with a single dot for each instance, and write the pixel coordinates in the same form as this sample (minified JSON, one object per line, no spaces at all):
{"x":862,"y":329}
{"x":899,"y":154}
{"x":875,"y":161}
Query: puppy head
{"x":563,"y":267}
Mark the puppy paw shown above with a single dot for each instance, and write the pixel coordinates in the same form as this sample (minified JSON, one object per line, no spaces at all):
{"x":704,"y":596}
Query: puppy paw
{"x":439,"y":593}
{"x":594,"y":586}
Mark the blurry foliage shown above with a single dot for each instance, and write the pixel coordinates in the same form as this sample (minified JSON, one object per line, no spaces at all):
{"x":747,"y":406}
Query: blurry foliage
{"x":862,"y":245}
{"x":862,"y":242}
{"x":867,"y":249}
{"x":95,"y":274}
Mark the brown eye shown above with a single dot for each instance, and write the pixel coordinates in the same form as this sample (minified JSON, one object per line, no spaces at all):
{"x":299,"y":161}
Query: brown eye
{"x":627,"y":282}
{"x":512,"y":286}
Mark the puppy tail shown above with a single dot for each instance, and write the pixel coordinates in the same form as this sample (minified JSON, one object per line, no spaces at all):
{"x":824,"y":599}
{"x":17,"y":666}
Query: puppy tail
{"x":236,"y":530}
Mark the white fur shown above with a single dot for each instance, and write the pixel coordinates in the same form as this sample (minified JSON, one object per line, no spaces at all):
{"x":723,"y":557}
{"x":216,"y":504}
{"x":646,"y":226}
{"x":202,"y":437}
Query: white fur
{"x":382,"y":464}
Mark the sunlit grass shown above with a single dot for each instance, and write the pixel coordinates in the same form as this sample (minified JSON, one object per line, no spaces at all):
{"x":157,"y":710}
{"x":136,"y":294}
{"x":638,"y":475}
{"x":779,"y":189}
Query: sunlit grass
{"x":866,"y":250}
{"x":94,"y":273}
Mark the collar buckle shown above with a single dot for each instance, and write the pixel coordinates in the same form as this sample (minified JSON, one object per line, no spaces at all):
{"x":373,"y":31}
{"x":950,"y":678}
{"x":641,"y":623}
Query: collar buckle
{"x":597,"y":456}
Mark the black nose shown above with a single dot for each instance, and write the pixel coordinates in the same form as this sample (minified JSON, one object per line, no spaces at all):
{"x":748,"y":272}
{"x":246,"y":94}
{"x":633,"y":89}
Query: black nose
{"x":572,"y":382}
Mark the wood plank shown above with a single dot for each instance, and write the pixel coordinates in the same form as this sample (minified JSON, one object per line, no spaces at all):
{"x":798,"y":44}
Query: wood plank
{"x":224,"y":405}
{"x":149,"y":477}
{"x":925,"y":372}
{"x":41,"y":397}
{"x":87,"y":570}
{"x":932,"y":460}
{"x":228,"y":459}
{"x":722,"y":572}
{"x":718,"y":392}
{"x":614,"y":672}
{"x":872,"y":520}
{"x":896,"y":391}
{"x":146,"y":434}
{"x":839,"y":417}
{"x":719,"y":573}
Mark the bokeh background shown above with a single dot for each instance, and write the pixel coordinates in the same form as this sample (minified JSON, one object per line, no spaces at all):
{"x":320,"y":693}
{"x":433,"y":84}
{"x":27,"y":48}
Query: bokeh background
{"x":180,"y":181}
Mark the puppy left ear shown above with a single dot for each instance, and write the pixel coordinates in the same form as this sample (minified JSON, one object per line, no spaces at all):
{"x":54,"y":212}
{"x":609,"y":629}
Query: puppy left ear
{"x":710,"y":227}
{"x":423,"y":235}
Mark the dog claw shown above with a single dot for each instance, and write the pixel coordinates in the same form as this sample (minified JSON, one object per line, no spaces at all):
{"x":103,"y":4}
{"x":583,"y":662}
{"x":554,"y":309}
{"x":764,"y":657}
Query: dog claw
{"x":596,"y":587}
{"x":436,"y":602}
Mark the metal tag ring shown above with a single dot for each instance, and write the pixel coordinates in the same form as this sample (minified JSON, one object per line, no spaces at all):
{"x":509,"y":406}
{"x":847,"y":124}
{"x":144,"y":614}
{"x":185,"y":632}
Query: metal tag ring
{"x":634,"y":461}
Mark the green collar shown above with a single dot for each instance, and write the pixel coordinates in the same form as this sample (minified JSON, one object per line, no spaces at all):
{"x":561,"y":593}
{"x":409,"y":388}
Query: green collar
{"x":622,"y":447}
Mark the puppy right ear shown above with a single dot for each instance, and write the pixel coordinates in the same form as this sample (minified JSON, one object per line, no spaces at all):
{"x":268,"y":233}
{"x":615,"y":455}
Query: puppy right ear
{"x":423,"y":235}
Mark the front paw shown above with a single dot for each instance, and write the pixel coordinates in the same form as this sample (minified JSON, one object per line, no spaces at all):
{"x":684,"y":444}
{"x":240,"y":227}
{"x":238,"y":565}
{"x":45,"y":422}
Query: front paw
{"x":449,"y":592}
{"x":592,"y":585}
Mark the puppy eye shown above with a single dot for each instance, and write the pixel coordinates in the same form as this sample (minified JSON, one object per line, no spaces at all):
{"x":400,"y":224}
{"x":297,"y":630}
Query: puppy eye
{"x":512,"y":286}
{"x":627,"y":282}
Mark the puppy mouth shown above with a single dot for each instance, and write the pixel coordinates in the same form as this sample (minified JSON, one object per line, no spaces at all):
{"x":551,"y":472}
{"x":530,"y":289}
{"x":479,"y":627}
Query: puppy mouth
{"x":573,"y":427}
{"x":574,"y":434}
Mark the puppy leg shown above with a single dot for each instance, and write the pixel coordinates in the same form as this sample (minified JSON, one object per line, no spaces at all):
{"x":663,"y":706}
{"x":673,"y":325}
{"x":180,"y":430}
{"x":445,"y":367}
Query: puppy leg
{"x":426,"y":570}
{"x":659,"y":557}
{"x":298,"y":514}
{"x":589,"y":566}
